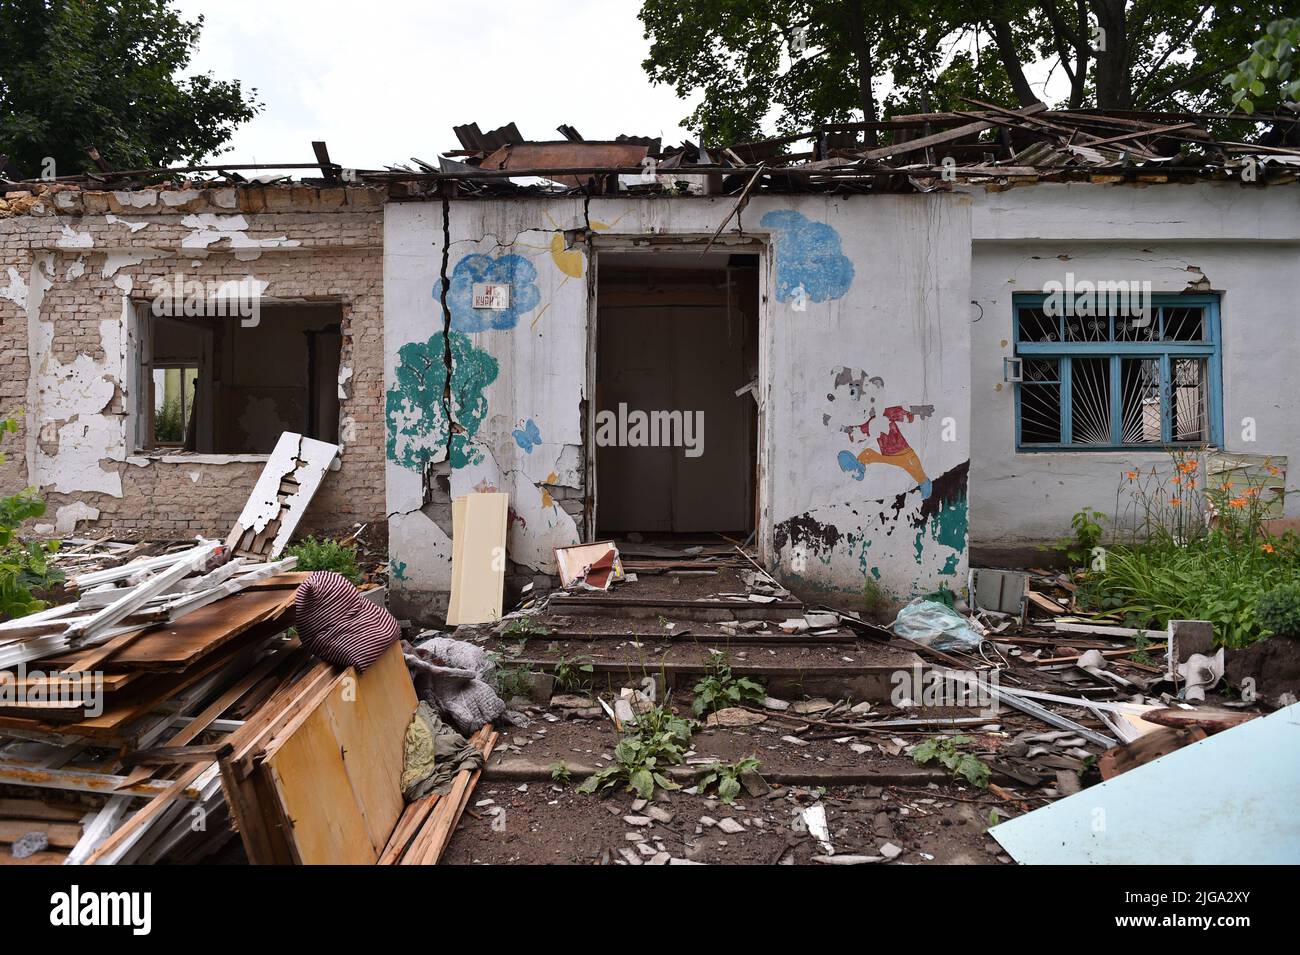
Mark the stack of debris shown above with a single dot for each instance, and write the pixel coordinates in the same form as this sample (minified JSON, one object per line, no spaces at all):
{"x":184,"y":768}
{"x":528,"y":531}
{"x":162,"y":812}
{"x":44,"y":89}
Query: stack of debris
{"x":152,"y":676}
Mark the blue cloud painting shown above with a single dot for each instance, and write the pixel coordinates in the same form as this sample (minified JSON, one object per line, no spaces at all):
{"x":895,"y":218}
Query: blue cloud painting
{"x":513,"y":270}
{"x":808,"y":254}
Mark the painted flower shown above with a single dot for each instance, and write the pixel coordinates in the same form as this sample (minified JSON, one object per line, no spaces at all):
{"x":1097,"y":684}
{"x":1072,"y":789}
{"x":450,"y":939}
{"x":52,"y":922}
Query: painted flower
{"x":1131,"y":475}
{"x":1237,"y":502}
{"x":1176,"y":501}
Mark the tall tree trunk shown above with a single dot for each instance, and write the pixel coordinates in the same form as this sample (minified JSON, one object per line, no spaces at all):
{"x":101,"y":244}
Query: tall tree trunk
{"x":1114,"y":85}
{"x":866,"y":67}
{"x":1072,"y":45}
{"x":1000,"y":26}
{"x":1082,"y":53}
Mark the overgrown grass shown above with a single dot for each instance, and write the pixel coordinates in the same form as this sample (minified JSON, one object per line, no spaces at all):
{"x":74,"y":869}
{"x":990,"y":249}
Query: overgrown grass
{"x":1215,"y":579}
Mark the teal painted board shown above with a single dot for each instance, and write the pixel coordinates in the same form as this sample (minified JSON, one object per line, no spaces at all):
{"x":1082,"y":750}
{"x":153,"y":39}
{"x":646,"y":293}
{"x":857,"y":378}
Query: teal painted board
{"x":1229,"y":799}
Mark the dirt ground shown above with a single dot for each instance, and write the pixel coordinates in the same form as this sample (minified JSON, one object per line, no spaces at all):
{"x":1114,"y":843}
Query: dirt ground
{"x":544,"y":823}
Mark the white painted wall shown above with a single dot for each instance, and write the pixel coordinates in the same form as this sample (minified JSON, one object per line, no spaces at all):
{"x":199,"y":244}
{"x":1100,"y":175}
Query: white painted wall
{"x":885,"y":289}
{"x":1245,"y":240}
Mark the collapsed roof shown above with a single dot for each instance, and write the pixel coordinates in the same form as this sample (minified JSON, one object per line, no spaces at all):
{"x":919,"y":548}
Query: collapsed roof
{"x":925,"y":151}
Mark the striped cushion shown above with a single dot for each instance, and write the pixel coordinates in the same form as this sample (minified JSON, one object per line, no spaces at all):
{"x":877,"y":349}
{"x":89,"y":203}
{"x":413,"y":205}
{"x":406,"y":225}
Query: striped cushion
{"x":339,"y":625}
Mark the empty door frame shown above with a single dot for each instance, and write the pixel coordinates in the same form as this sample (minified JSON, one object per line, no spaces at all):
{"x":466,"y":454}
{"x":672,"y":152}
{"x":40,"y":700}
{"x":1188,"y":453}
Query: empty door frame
{"x":681,"y":245}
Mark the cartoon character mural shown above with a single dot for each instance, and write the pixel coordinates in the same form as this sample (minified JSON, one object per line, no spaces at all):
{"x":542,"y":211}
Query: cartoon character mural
{"x":855,"y":406}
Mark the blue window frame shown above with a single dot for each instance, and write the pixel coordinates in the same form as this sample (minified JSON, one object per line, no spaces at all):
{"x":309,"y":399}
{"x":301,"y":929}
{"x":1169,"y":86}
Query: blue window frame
{"x":1111,"y":380}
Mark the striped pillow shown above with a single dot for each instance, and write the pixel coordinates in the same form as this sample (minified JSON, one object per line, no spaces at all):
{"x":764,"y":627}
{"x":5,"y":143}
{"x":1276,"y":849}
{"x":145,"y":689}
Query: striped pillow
{"x":336,"y":623}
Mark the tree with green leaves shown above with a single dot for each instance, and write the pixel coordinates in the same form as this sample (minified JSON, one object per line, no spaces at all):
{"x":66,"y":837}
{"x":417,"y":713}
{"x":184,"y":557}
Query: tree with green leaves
{"x":798,"y":64}
{"x":1271,"y":61}
{"x":82,"y":73}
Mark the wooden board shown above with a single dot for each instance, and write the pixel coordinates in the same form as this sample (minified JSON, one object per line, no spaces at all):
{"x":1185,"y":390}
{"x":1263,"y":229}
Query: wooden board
{"x":337,"y":775}
{"x":38,"y":809}
{"x":478,"y":567}
{"x":179,"y":645}
{"x":62,"y":835}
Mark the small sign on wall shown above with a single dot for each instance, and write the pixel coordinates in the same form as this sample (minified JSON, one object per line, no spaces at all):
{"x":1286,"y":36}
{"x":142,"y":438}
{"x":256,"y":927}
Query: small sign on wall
{"x":493,"y":295}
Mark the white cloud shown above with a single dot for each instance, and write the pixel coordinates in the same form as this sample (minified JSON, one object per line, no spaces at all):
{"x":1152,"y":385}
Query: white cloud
{"x":384,"y":81}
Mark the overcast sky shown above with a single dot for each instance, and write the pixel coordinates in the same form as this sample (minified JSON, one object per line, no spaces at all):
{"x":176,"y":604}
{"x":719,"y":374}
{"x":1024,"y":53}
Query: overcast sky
{"x":386,"y":80}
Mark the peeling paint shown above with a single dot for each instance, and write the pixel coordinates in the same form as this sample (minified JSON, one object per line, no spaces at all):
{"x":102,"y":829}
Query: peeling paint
{"x":68,"y":516}
{"x":72,"y":239}
{"x":133,"y":226}
{"x":16,"y":290}
{"x":210,"y":228}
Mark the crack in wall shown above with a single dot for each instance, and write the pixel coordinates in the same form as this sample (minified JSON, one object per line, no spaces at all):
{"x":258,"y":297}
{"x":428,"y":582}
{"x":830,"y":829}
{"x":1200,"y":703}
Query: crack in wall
{"x":446,"y":322}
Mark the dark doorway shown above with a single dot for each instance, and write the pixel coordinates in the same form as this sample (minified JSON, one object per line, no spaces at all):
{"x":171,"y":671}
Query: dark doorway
{"x":676,"y":430}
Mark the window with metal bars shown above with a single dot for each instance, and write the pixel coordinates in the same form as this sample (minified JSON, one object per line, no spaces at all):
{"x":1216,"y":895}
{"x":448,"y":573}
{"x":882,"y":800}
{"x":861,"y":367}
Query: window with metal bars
{"x":1113,"y":380}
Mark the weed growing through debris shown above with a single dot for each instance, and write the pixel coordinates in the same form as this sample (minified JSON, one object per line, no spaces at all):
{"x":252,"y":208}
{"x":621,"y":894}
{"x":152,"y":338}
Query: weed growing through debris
{"x":875,"y":600}
{"x":524,"y":627}
{"x":23,"y":564}
{"x":571,"y":675}
{"x":727,"y":776}
{"x":560,"y":773}
{"x":509,"y":681}
{"x":657,"y":740}
{"x":944,"y":749}
{"x":1188,"y":551}
{"x":316,"y":554}
{"x":719,"y":688}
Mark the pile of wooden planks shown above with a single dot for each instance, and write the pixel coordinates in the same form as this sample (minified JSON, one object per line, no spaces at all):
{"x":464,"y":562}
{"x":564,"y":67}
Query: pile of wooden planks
{"x":129,"y":751}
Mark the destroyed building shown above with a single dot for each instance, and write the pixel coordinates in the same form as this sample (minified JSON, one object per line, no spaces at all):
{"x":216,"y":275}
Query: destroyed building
{"x":857,"y":340}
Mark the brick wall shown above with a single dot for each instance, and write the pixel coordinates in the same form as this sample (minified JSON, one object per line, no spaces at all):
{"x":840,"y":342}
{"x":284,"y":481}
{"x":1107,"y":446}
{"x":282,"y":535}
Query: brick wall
{"x":66,"y":360}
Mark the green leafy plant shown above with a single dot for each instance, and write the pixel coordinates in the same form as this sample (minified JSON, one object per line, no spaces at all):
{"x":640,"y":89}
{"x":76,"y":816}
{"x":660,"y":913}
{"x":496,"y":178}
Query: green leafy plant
{"x":560,"y":773}
{"x":525,"y":627}
{"x":24,"y":565}
{"x":1272,"y":59}
{"x":727,"y":776}
{"x":657,"y":740}
{"x":1140,"y":655}
{"x":945,"y":750}
{"x":720,"y":688}
{"x":573,"y":675}
{"x":1087,"y":527}
{"x":509,"y":681}
{"x":316,"y":554}
{"x":1278,"y":610}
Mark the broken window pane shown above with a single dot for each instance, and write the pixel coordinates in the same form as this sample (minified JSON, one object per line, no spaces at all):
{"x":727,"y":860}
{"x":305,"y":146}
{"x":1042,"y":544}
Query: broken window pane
{"x":1140,"y":410}
{"x":1189,"y":408}
{"x":226,"y":385}
{"x":173,"y":403}
{"x":1090,"y":400}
